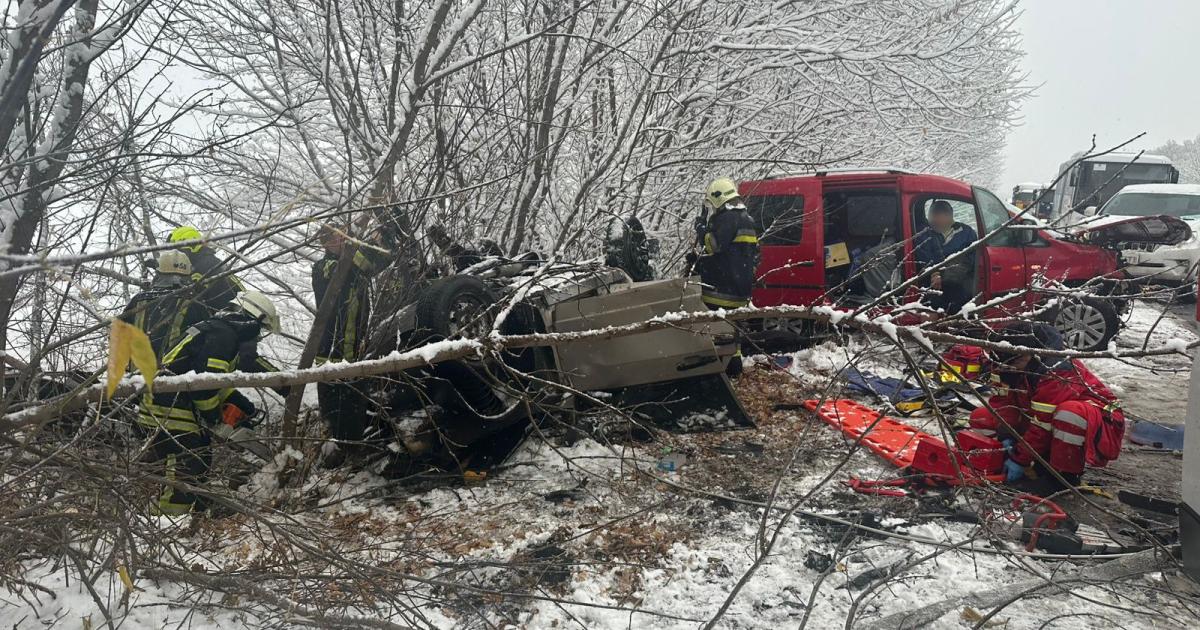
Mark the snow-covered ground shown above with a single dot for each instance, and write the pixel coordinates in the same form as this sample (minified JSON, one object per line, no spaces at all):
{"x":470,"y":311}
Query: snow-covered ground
{"x":593,"y":535}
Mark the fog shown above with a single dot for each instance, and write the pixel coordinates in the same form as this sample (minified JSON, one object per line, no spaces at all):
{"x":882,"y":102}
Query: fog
{"x":1113,"y":68}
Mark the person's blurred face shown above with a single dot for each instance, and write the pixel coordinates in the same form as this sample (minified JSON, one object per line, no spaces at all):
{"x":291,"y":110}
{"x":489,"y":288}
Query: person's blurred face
{"x":1017,"y":363}
{"x":941,"y":218}
{"x":333,"y":241}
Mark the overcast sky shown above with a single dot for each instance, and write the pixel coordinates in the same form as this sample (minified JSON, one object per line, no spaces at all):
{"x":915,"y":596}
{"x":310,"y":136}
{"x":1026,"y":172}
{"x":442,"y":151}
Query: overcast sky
{"x":1109,"y":67}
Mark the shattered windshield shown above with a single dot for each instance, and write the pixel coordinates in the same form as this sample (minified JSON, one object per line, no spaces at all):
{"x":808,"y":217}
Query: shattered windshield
{"x":1149,"y":204}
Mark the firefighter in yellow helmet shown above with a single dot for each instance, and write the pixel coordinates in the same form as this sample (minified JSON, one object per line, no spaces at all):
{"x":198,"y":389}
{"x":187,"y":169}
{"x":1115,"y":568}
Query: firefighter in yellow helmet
{"x":217,"y":287}
{"x":181,"y":424}
{"x":728,"y":240}
{"x":169,"y":306}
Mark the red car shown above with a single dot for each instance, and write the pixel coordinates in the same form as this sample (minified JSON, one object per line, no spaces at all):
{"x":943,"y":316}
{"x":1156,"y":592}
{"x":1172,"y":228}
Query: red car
{"x":845,"y":237}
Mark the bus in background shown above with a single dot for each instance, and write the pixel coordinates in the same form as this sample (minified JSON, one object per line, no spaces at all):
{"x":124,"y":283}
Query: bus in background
{"x":1092,"y":182}
{"x":1025,"y":194}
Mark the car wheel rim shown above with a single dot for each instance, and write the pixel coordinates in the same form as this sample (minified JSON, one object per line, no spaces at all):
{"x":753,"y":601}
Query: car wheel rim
{"x":785,"y":325}
{"x":464,"y":319}
{"x":1081,"y":325}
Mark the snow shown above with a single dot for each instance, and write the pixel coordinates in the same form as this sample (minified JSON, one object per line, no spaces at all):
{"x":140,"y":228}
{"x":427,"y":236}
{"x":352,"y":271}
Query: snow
{"x":1124,"y":157}
{"x":643,"y":548}
{"x":1162,"y":189}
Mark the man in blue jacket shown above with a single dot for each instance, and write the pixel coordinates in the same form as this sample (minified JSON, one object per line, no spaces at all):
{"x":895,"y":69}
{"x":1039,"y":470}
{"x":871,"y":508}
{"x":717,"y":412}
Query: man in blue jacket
{"x":944,"y":238}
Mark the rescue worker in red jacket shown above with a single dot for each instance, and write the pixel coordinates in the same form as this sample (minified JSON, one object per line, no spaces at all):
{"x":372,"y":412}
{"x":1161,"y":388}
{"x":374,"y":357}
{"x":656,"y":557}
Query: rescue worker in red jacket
{"x":1062,"y":411}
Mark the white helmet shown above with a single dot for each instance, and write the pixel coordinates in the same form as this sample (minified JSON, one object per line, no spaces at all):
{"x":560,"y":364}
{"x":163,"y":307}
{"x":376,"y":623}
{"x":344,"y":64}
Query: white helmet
{"x":259,"y":307}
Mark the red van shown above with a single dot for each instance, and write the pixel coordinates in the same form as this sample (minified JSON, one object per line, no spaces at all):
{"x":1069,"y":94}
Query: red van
{"x":819,"y":230}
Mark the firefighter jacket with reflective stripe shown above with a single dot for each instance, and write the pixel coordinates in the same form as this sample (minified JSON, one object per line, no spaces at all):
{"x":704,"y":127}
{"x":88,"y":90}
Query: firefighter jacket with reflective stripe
{"x":220,"y":344}
{"x":344,"y":330}
{"x":730,"y":257}
{"x":1029,"y":404}
{"x":218,"y":290}
{"x":163,"y":314}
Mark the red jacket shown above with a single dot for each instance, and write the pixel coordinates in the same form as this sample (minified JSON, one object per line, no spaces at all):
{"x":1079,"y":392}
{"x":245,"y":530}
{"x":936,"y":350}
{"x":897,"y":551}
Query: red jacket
{"x":1029,"y":405}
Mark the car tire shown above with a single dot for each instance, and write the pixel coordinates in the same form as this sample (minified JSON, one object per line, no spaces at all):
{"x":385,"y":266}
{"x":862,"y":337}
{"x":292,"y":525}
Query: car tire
{"x":452,"y":306}
{"x":1086,"y":323}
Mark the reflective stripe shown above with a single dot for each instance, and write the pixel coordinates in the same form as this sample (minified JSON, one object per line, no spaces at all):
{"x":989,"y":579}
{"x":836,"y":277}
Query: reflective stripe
{"x":177,"y":324}
{"x":208,"y":404}
{"x":363,"y":262}
{"x":1041,"y":425}
{"x":218,"y":364}
{"x":350,"y":334}
{"x":973,"y":367}
{"x":148,"y":406}
{"x":716,"y":301}
{"x":1042,"y":407}
{"x":745,"y":238}
{"x":1069,"y":438}
{"x":1071,"y":418}
{"x":179,"y":426}
{"x":710,"y":243}
{"x":173,"y":355}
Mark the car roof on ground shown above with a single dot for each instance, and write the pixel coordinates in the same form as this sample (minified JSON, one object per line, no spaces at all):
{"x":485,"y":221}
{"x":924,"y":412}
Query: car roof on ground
{"x":1162,"y":189}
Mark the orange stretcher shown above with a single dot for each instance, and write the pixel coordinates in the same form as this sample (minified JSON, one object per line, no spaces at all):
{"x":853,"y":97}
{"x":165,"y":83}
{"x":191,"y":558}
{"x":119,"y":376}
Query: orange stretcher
{"x":974,"y":460}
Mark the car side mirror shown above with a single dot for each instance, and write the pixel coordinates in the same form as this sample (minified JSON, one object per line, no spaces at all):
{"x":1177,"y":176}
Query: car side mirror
{"x":1090,"y":211}
{"x":1026,"y":231}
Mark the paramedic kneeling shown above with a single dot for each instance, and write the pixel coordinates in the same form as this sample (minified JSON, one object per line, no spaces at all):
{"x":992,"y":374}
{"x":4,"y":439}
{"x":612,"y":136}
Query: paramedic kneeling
{"x":1061,"y":411}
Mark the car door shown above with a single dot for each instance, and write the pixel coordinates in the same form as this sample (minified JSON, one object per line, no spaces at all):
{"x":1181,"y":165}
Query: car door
{"x":791,"y":268}
{"x":1003,"y":258}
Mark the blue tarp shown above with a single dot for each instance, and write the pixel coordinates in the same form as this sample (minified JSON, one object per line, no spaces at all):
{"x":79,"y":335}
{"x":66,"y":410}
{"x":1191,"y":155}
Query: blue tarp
{"x":1169,"y":436}
{"x":885,"y":387}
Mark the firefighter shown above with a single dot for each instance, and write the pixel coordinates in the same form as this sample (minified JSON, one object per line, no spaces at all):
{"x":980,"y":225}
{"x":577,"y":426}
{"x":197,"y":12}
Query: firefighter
{"x":168,"y":307}
{"x":728,"y":239}
{"x":345,"y":406}
{"x":1062,"y":411}
{"x":218,"y":287}
{"x":180,"y":422}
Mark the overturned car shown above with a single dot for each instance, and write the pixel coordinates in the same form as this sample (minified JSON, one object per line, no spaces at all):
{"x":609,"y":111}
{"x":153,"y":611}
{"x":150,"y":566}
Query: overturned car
{"x":474,"y":412}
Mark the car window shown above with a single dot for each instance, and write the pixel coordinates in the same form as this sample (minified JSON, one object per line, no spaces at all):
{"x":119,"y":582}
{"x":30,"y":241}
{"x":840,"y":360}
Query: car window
{"x":964,"y":212}
{"x":780,"y":218}
{"x":994,"y":214}
{"x":870,"y":214}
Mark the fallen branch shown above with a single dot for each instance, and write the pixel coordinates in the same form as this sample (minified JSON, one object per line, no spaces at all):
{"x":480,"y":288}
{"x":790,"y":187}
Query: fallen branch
{"x":451,"y":350}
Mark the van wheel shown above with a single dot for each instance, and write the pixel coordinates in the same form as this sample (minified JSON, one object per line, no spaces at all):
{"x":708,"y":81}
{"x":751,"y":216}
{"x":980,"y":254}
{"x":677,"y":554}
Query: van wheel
{"x":1087,"y":324}
{"x":453,"y":307}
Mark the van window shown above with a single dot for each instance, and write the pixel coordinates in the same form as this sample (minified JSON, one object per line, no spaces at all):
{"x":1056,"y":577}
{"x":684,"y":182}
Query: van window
{"x":780,"y":218}
{"x":871,"y":214}
{"x":995,"y":214}
{"x":964,"y":212}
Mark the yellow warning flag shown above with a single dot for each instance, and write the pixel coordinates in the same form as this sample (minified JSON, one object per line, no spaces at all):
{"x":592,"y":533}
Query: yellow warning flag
{"x":125,"y":342}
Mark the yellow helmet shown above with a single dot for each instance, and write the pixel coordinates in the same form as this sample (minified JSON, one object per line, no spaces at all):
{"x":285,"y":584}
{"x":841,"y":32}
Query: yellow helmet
{"x":720,"y":192}
{"x":174,"y":262}
{"x":187,"y":233}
